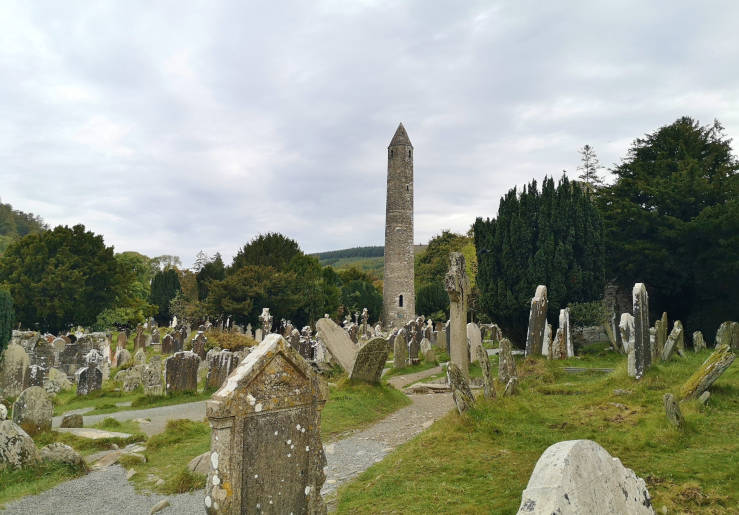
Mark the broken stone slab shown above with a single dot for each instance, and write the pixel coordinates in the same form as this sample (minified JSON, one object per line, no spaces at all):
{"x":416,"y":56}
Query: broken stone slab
{"x":672,"y":410}
{"x":537,"y":322}
{"x":16,"y":446}
{"x":92,"y":433}
{"x":711,"y":369}
{"x":338,"y":342}
{"x":579,"y":476}
{"x":61,"y":453}
{"x":72,"y":420}
{"x":265,"y":437}
{"x":369,"y":361}
{"x":461,"y":392}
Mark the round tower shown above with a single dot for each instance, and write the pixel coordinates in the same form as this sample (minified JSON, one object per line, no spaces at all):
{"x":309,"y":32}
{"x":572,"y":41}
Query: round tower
{"x":399,"y":298}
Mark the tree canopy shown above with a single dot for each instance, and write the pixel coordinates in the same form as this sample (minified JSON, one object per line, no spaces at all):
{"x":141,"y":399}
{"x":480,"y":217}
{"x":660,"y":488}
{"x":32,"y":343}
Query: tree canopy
{"x":552,"y":237}
{"x":672,"y":221}
{"x":164,"y":287}
{"x":61,"y":277}
{"x":6,"y":318}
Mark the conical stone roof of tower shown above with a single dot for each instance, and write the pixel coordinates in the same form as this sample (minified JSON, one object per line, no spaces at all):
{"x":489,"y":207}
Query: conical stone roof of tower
{"x":401,"y":137}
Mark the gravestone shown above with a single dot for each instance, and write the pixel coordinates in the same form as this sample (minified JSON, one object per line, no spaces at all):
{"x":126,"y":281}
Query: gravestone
{"x":131,"y":378}
{"x":57,"y":381}
{"x":293,"y":338}
{"x":626,"y":328}
{"x":672,"y":410}
{"x":35,"y":376}
{"x":414,"y":347}
{"x":258,"y":335}
{"x":167,"y":344}
{"x":487,"y":373}
{"x":400,"y":351}
{"x":642,"y":352}
{"x":151,"y":377}
{"x":370,"y":361}
{"x":220,"y":365}
{"x":728,"y":334}
{"x":13,"y":368}
{"x":33,"y":410}
{"x":711,"y":369}
{"x":266,"y":319}
{"x":448,"y":336}
{"x":122,"y":340}
{"x":579,"y":476}
{"x":16,"y":446}
{"x":427,"y":351}
{"x":338,"y":343}
{"x":506,"y":363}
{"x":474,"y":337}
{"x":140,"y":357}
{"x":181,"y":372}
{"x":198,"y":344}
{"x":139,"y":341}
{"x":673,"y":341}
{"x":546,"y":346}
{"x":461,"y":392}
{"x":155,"y":336}
{"x":179,"y":340}
{"x":457,"y":286}
{"x":266,"y":451}
{"x":537,"y":322}
{"x":89,"y":379}
{"x":698,"y":342}
{"x":564,"y":323}
{"x":123,"y":357}
{"x":558,"y":350}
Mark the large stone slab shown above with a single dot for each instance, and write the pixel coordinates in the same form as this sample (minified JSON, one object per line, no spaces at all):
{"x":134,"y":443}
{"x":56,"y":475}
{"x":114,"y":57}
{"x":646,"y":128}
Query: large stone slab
{"x":370,"y":361}
{"x":266,"y":451}
{"x":338,"y":343}
{"x":220,"y":365}
{"x":33,"y":410}
{"x":579,"y":477}
{"x":642,"y":351}
{"x":400,"y":351}
{"x":537,"y":322}
{"x":91,"y":433}
{"x":181,"y":372}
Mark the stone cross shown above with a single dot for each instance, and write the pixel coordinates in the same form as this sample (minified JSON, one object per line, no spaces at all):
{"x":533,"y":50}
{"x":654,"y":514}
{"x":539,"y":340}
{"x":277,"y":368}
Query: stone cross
{"x":457,"y":286}
{"x":266,"y":453}
{"x":642,"y":352}
{"x":537,"y":322}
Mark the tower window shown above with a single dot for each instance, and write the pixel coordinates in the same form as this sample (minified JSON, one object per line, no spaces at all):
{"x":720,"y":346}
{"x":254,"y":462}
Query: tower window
{"x":407,"y":188}
{"x":400,"y":301}
{"x":409,"y":153}
{"x":391,"y":153}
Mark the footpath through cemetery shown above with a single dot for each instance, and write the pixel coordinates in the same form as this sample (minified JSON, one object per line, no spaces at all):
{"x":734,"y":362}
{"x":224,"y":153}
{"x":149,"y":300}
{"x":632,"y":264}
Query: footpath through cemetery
{"x":467,"y":378}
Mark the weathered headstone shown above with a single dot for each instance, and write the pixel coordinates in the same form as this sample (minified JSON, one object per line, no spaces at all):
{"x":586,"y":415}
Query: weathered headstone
{"x":16,"y":446}
{"x":537,"y":322}
{"x":626,"y":328}
{"x":198,"y":344}
{"x":35,"y":376}
{"x":13,"y":368}
{"x":181,"y":372}
{"x":32,"y":410}
{"x":711,"y":369}
{"x":131,"y":379}
{"x":448,"y":337}
{"x":122,"y":340}
{"x":155,"y":336}
{"x":258,"y":335}
{"x":474,"y":337}
{"x":293,"y":338}
{"x":427,"y":351}
{"x":369,"y":361}
{"x":547,"y":345}
{"x":266,"y":450}
{"x":338,"y":343}
{"x":506,"y":364}
{"x":139,"y":341}
{"x":579,"y":476}
{"x":56,"y":381}
{"x":673,"y":341}
{"x":220,"y":365}
{"x":457,"y":286}
{"x":487,"y":374}
{"x":672,"y":410}
{"x":167,"y":344}
{"x":140,"y":357}
{"x":461,"y":392}
{"x":511,"y":388}
{"x":89,"y":379}
{"x":414,"y":348}
{"x":122,"y":357}
{"x":698,"y":342}
{"x":400,"y":351}
{"x":564,"y":323}
{"x":266,"y":319}
{"x":728,"y":333}
{"x":642,"y":352}
{"x":151,"y":377}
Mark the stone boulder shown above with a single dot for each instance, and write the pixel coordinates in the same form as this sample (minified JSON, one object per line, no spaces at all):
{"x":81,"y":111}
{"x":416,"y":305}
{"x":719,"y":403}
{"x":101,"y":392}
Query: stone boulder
{"x":579,"y":476}
{"x":62,"y":453}
{"x":200,"y":464}
{"x":33,"y":410}
{"x":16,"y":447}
{"x":72,"y":420}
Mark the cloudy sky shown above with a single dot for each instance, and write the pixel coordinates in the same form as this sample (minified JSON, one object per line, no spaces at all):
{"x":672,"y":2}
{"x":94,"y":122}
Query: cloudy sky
{"x":171,"y":127}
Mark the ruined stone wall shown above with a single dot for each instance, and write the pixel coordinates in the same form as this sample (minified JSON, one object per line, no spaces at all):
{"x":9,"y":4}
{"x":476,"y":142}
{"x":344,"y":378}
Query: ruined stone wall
{"x":399,"y":256}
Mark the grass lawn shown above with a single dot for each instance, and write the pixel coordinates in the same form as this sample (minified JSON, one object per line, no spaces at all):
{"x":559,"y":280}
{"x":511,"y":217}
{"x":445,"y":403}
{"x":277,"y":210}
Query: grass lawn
{"x":104,"y":401}
{"x":481,"y":463}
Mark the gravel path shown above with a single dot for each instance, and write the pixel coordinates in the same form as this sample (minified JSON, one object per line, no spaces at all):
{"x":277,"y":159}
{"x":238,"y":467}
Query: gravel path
{"x":108,"y":491}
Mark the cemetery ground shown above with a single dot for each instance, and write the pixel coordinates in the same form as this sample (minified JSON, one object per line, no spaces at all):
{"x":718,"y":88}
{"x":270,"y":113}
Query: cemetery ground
{"x":480,"y":463}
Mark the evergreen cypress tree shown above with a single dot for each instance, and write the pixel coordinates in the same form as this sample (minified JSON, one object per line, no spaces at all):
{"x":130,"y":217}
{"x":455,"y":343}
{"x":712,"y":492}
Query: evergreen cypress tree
{"x":6,"y":318}
{"x":164,"y":287}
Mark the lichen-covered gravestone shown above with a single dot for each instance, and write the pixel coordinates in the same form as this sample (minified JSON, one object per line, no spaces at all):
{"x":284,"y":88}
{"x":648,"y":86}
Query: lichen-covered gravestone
{"x":220,"y":365}
{"x":728,"y":333}
{"x":673,"y":341}
{"x":642,"y":352}
{"x":167,"y":344}
{"x":487,"y":374}
{"x":506,"y":364}
{"x":181,"y":372}
{"x":711,"y":369}
{"x":400,"y":351}
{"x":16,"y":447}
{"x":13,"y":368}
{"x":626,"y":328}
{"x":89,"y":379}
{"x":537,"y":322}
{"x":151,"y":377}
{"x":33,"y":410}
{"x":579,"y":477}
{"x":698,"y":342}
{"x":198,"y":344}
{"x":369,"y":361}
{"x":474,"y":337}
{"x":266,"y":451}
{"x":564,"y":324}
{"x":458,"y":287}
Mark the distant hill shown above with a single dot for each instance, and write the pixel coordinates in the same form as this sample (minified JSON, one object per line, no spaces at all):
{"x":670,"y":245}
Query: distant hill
{"x":363,"y":258}
{"x":15,"y":224}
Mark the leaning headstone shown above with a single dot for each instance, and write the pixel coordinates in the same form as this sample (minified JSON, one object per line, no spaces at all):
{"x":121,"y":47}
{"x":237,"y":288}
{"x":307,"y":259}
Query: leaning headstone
{"x":266,"y":451}
{"x":220,"y":365}
{"x":537,"y":322}
{"x":506,"y":364}
{"x":198,"y":344}
{"x":370,"y":361}
{"x":698,"y":342}
{"x":546,"y":346}
{"x":642,"y":352}
{"x":474,"y":337}
{"x":728,"y":333}
{"x":457,"y":286}
{"x":672,"y":410}
{"x":680,"y":344}
{"x":487,"y":374}
{"x":461,"y":392}
{"x":676,"y":335}
{"x":13,"y":368}
{"x":16,"y":446}
{"x":32,"y":410}
{"x":167,"y":344}
{"x":181,"y":372}
{"x":89,"y":379}
{"x":579,"y":476}
{"x":711,"y":369}
{"x":338,"y":343}
{"x":151,"y":377}
{"x":626,"y":328}
{"x":400,"y":351}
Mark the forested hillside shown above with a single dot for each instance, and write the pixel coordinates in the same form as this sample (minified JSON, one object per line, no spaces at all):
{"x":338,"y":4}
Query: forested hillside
{"x":15,"y":224}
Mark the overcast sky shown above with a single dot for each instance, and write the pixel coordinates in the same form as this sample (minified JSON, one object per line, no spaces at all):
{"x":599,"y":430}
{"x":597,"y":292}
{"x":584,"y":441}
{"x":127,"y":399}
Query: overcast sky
{"x":171,"y":127}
